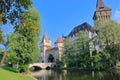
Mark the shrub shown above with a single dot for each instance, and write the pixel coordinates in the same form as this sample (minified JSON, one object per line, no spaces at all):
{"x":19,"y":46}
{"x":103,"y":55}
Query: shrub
{"x":23,"y":68}
{"x":59,"y":64}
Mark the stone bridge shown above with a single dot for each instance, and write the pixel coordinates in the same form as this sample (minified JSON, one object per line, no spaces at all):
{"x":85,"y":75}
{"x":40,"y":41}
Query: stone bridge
{"x":42,"y":65}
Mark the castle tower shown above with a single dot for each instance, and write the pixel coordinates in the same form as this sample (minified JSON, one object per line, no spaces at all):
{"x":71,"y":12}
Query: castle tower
{"x":102,"y":12}
{"x":59,"y":45}
{"x":45,"y":44}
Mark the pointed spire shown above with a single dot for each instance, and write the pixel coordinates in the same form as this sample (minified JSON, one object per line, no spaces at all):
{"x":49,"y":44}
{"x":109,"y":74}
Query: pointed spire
{"x":101,"y":6}
{"x":45,"y":37}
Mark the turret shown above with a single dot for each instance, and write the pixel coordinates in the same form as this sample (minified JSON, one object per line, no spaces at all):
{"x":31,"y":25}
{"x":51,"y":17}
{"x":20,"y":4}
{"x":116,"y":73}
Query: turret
{"x":102,"y":12}
{"x":59,"y":44}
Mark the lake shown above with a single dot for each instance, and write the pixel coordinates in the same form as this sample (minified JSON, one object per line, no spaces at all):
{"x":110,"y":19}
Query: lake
{"x":75,"y":75}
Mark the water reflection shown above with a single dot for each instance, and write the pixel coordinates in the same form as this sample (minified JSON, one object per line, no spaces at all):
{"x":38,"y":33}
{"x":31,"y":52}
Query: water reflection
{"x":76,"y":75}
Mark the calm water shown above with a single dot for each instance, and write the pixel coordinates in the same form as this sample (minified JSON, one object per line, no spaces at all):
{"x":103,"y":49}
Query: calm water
{"x":76,"y":75}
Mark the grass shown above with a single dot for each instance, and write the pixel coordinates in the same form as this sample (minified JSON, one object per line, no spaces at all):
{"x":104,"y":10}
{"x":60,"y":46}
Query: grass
{"x":117,"y":67}
{"x":10,"y":75}
{"x":10,"y":69}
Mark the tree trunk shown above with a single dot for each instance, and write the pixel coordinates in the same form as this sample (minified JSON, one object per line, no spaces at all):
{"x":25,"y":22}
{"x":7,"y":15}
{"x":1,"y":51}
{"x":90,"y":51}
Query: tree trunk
{"x":3,"y":58}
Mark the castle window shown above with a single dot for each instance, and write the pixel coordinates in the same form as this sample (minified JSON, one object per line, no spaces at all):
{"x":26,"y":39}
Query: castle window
{"x":101,"y":8}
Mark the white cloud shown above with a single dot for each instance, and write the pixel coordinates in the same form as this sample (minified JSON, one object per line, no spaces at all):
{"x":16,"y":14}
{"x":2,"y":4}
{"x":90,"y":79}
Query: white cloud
{"x":117,"y":15}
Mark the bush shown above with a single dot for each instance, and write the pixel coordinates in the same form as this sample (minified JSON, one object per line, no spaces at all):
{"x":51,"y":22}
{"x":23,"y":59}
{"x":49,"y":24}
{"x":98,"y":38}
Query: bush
{"x":59,"y":64}
{"x":23,"y":68}
{"x":31,"y":69}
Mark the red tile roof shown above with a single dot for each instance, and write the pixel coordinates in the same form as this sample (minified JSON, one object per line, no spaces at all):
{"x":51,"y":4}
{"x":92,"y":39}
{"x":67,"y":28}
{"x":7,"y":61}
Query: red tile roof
{"x":59,"y":40}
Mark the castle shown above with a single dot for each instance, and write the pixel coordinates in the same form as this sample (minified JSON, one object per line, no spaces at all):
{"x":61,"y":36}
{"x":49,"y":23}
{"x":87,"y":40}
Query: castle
{"x":48,"y":54}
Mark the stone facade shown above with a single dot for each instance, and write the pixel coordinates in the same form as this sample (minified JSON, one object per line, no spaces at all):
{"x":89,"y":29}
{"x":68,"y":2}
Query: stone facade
{"x":48,"y":54}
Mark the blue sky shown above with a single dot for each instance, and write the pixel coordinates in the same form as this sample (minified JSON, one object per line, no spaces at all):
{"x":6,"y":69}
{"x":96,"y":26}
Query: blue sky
{"x":61,"y":16}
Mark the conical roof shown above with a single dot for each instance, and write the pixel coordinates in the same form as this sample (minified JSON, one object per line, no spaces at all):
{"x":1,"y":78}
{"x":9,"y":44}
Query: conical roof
{"x":101,"y":6}
{"x":45,"y":37}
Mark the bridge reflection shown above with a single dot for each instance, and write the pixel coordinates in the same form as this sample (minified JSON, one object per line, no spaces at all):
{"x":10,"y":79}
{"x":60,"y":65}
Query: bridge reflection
{"x":49,"y":74}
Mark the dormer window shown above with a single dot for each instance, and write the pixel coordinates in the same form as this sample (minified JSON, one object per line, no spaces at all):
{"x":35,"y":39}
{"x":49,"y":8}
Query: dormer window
{"x":101,"y":8}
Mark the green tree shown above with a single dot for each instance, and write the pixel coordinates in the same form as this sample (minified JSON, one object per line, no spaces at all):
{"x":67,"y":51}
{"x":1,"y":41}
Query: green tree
{"x":11,"y":10}
{"x":6,"y":44}
{"x":77,"y":51}
{"x":26,"y":36}
{"x":109,"y":38}
{"x":82,"y":43}
{"x":68,"y":51}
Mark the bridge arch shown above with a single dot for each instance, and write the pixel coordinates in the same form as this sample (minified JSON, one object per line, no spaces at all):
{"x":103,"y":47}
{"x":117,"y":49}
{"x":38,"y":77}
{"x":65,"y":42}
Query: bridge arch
{"x":48,"y":67}
{"x":35,"y":68}
{"x":42,"y":65}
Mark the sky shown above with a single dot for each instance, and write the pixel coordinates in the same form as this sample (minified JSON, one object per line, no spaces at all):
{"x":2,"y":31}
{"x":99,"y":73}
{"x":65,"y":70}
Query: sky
{"x":59,"y":17}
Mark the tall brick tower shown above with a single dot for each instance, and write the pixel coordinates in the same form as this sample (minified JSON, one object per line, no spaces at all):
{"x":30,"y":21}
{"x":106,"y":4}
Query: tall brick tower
{"x":102,"y":12}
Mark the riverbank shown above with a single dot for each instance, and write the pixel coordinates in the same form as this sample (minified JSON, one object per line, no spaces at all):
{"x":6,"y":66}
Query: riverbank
{"x":9,"y":75}
{"x":88,"y":69}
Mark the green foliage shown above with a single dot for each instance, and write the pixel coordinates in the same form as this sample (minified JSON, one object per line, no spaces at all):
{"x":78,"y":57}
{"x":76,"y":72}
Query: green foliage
{"x":11,"y":57}
{"x":108,"y":32}
{"x":59,"y":64}
{"x":102,"y":61}
{"x":76,"y":52}
{"x":117,"y":67}
{"x":97,"y":61}
{"x":31,"y":69}
{"x":110,"y":42}
{"x":24,"y":45}
{"x":6,"y":44}
{"x":23,"y":68}
{"x":11,"y":10}
{"x":97,"y":58}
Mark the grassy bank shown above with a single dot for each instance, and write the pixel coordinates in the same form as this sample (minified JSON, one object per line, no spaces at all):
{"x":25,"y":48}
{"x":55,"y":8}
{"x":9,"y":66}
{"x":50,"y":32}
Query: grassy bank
{"x":117,"y":67}
{"x":9,"y":75}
